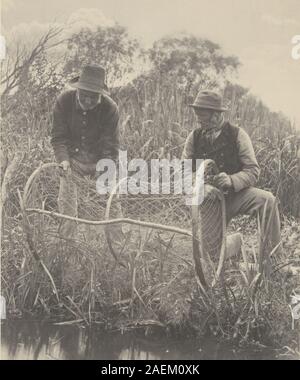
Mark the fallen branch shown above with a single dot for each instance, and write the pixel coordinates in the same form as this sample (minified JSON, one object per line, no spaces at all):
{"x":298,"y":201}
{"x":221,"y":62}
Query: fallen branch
{"x":112,"y":221}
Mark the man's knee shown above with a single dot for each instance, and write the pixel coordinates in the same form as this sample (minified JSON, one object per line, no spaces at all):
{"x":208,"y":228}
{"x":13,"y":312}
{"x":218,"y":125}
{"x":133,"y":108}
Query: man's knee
{"x":266,"y":199}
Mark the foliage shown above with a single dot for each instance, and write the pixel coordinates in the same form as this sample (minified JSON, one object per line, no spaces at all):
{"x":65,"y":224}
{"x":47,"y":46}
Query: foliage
{"x":154,"y":122}
{"x":109,"y":47}
{"x":191,"y":61}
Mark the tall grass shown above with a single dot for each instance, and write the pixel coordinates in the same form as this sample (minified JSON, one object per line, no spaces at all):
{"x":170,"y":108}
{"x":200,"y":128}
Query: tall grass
{"x":157,"y":285}
{"x":156,"y":119}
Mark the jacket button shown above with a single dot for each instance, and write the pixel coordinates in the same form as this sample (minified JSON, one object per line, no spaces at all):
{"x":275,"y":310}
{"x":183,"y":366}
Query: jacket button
{"x":83,"y":137}
{"x":76,"y":150}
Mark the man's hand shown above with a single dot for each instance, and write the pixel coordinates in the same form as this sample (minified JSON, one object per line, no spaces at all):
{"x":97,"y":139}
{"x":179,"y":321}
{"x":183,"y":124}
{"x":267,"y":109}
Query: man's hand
{"x":223,"y":181}
{"x":65,"y":166}
{"x":211,"y":192}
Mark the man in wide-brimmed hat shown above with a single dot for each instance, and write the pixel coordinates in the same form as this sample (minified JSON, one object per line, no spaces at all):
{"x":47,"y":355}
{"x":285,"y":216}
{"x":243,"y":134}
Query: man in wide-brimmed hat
{"x":85,"y":130}
{"x":231,"y":149}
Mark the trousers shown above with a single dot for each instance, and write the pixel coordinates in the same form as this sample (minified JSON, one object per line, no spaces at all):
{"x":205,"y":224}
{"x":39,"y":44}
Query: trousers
{"x":68,"y":202}
{"x":254,"y":201}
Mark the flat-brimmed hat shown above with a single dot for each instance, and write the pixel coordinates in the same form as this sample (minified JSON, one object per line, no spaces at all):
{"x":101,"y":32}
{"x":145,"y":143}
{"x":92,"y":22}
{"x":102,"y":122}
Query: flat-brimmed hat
{"x":209,"y":100}
{"x":92,"y":78}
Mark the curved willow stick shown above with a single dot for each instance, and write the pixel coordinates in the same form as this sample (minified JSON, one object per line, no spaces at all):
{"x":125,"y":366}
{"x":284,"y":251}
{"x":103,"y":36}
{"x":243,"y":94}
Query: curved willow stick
{"x":208,"y":165}
{"x":211,"y":165}
{"x":113,"y":192}
{"x":33,"y":178}
{"x":223,"y":246}
{"x":32,"y":247}
{"x":197,"y":236}
{"x":106,"y":217}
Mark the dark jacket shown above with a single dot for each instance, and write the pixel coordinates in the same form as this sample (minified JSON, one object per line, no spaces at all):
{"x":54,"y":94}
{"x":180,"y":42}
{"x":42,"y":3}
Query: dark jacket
{"x":232,"y":151}
{"x":86,"y":136}
{"x":224,"y":150}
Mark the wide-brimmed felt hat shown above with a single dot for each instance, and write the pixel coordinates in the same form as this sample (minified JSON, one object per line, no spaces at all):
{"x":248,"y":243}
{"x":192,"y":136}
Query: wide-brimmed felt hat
{"x":209,"y":100}
{"x":92,"y":78}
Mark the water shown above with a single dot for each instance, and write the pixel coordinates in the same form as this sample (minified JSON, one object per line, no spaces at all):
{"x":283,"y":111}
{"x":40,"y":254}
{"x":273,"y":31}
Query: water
{"x":36,"y":340}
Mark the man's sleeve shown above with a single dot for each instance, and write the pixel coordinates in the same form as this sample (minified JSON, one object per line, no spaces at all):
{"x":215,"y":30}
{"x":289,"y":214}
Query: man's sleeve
{"x":110,"y":134}
{"x":60,"y":133}
{"x":188,"y":150}
{"x":248,"y":176}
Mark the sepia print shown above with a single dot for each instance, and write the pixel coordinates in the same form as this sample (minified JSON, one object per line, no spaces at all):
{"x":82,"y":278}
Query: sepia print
{"x":150,"y":181}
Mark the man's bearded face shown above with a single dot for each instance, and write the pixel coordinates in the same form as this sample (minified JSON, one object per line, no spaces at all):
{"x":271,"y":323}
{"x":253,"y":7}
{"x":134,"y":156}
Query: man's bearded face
{"x":88,"y":99}
{"x":209,"y":119}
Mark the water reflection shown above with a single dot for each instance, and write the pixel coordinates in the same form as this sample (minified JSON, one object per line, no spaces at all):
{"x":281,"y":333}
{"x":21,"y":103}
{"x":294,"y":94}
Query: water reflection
{"x":36,"y":340}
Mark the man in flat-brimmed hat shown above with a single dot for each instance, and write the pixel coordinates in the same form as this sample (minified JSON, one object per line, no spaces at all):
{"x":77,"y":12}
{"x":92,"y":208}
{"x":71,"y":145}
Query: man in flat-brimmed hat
{"x":231,"y":149}
{"x":85,"y":130}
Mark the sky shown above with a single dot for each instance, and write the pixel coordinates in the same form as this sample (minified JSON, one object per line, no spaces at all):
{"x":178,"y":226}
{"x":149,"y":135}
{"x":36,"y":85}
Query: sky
{"x":259,"y":32}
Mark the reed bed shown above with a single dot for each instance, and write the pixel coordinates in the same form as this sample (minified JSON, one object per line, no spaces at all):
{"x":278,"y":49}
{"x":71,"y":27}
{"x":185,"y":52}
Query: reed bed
{"x":157,"y":287}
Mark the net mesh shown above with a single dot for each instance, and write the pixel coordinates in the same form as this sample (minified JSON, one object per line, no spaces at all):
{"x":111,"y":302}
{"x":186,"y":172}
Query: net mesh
{"x":42,"y":192}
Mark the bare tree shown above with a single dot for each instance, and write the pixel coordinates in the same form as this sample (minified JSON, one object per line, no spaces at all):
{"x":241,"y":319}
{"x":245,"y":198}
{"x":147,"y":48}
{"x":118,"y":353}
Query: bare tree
{"x":14,"y":69}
